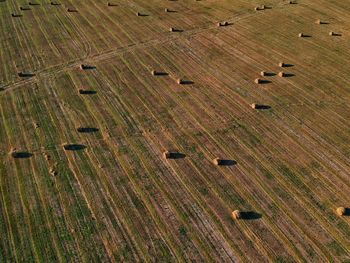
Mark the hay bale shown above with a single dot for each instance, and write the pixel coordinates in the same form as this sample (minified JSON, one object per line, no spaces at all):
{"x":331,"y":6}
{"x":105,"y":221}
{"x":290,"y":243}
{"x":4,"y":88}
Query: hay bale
{"x":166,"y":10}
{"x":281,"y":74}
{"x":341,"y":211}
{"x":236,"y":214}
{"x":301,"y":35}
{"x":263,"y":73}
{"x":158,"y":73}
{"x":180,"y":81}
{"x":47,"y":157}
{"x":318,"y":21}
{"x":331,"y":33}
{"x":258,"y":81}
{"x":259,"y":8}
{"x":254,"y":105}
{"x":167,"y":155}
{"x":225,"y":23}
{"x":216,"y":161}
{"x":53,"y":172}
{"x":138,"y":14}
{"x":281,"y":64}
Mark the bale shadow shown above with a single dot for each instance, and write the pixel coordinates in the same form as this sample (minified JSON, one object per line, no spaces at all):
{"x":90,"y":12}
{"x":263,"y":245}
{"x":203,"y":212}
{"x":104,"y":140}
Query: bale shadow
{"x":177,"y":30}
{"x":287,"y":65}
{"x":306,"y":36}
{"x":26,"y":74}
{"x":140,"y":14}
{"x":160,"y":73}
{"x":262,"y":107}
{"x":74,"y":147}
{"x":250,"y":215}
{"x":265,"y":81}
{"x":87,"y":92}
{"x":87,"y":129}
{"x":21,"y":155}
{"x":270,"y":74}
{"x":25,"y":8}
{"x":186,"y":82}
{"x":347,"y":212}
{"x":289,"y":75}
{"x":336,"y":35}
{"x":226,"y":162}
{"x":176,"y":155}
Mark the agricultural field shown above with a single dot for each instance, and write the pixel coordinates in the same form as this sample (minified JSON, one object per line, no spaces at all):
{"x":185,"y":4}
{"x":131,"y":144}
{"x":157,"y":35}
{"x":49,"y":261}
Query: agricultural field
{"x":112,"y":116}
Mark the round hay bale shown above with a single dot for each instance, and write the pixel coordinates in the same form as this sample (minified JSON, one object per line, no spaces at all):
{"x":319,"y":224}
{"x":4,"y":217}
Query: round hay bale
{"x":53,"y":172}
{"x":166,"y":155}
{"x":341,"y":211}
{"x":281,"y":74}
{"x":263,"y":73}
{"x":216,"y":161}
{"x":318,"y":21}
{"x":257,"y":81}
{"x":281,"y":64}
{"x":253,"y":105}
{"x":236,"y":214}
{"x":331,"y":33}
{"x":300,"y":35}
{"x":171,"y":29}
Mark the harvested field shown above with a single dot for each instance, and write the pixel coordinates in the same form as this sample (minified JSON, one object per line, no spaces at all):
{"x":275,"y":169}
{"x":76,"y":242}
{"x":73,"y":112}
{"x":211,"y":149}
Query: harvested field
{"x":163,"y":148}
